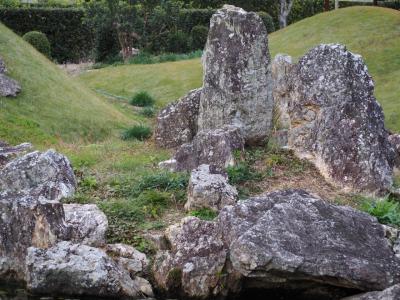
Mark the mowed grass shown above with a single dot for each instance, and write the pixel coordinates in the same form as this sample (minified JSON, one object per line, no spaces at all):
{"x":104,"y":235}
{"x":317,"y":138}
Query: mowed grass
{"x":370,"y":31}
{"x":52,"y":107}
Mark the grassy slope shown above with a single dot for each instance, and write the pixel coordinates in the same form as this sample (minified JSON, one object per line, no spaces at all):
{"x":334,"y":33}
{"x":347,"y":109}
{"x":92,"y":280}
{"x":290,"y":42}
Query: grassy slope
{"x":52,"y":106}
{"x":372,"y":32}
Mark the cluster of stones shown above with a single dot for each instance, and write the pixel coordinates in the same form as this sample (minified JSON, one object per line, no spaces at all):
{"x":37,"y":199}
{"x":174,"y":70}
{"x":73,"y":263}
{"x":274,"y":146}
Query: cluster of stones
{"x":57,"y":248}
{"x":8,"y":86}
{"x":323,"y":108}
{"x":288,"y":240}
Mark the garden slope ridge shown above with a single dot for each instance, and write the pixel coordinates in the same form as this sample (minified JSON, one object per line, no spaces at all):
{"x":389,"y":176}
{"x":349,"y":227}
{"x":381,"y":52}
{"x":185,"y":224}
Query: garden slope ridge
{"x":371,"y":32}
{"x":51,"y":106}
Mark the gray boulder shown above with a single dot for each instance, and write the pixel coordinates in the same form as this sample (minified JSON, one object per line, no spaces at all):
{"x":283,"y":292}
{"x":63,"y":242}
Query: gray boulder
{"x":8,"y":152}
{"x":177,"y":123}
{"x":336,"y":121}
{"x":213,"y":147}
{"x":80,"y":270}
{"x":88,"y":224}
{"x":3,"y":68}
{"x":48,"y":174}
{"x":132,"y":260}
{"x":392,"y":293}
{"x":288,"y":240}
{"x":237,"y":86}
{"x":394,"y":139}
{"x":8,"y":86}
{"x":195,"y":263}
{"x":27,"y":220}
{"x":209,"y":190}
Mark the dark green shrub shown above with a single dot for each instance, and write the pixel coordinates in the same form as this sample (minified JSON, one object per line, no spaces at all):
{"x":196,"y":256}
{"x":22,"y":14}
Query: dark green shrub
{"x":178,"y":42}
{"x":39,"y":41}
{"x":142,"y":99}
{"x":241,"y":173}
{"x":148,"y":112}
{"x":199,"y":37}
{"x":268,"y":21}
{"x":386,"y":211}
{"x":137,"y":132}
{"x":71,"y":40}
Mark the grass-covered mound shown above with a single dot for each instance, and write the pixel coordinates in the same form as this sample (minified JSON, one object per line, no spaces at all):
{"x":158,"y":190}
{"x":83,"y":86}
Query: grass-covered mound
{"x":370,"y":31}
{"x":52,"y":106}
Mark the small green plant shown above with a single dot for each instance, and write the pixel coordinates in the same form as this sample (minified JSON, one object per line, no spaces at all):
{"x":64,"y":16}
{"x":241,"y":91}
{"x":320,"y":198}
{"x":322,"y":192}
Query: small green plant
{"x":241,"y":173}
{"x":142,"y":99}
{"x":204,"y":214}
{"x":148,"y":112}
{"x":88,"y":183}
{"x":137,"y":132}
{"x":162,"y":181}
{"x":38,"y":40}
{"x":385,"y":210}
{"x":153,"y":202}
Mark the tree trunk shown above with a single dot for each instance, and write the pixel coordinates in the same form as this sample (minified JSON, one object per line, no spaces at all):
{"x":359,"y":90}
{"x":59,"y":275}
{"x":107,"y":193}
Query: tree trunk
{"x":326,"y":5}
{"x":336,"y":4}
{"x":375,"y":2}
{"x":285,"y":7}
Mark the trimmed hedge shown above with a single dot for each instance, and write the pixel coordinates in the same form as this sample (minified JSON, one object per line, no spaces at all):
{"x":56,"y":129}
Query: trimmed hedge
{"x":39,"y":41}
{"x":70,"y":39}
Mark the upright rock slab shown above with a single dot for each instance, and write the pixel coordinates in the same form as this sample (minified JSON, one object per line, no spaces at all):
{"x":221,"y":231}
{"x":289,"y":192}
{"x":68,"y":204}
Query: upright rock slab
{"x":27,"y":220}
{"x":177,"y":123}
{"x":336,"y":121}
{"x":237,"y":85}
{"x":288,"y":240}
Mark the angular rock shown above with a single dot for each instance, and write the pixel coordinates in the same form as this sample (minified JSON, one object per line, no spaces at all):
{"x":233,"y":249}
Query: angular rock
{"x":208,"y":190}
{"x":177,"y":123}
{"x":392,"y":293}
{"x":132,"y":260}
{"x":212,"y":147}
{"x":336,"y":121}
{"x":194,"y":265}
{"x":8,"y":152}
{"x":281,"y":69}
{"x":237,"y":87}
{"x":287,"y":240}
{"x":3,"y":68}
{"x":80,"y":270}
{"x":394,"y":139}
{"x":88,"y":224}
{"x":25,"y":221}
{"x":48,"y":174}
{"x":8,"y":86}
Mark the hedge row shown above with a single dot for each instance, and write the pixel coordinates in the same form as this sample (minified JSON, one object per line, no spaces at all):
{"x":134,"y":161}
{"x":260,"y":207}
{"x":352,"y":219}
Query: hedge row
{"x":70,"y":39}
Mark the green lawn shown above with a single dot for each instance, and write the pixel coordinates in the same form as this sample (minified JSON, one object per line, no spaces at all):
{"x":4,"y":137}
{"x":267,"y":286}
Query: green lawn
{"x":52,"y":106}
{"x":370,"y":31}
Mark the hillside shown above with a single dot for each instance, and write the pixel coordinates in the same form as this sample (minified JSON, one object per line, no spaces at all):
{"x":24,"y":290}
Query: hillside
{"x":372,"y":32}
{"x":52,"y":106}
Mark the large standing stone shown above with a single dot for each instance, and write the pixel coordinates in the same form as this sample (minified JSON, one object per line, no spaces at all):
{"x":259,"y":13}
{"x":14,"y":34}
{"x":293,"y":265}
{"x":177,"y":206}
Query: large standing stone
{"x":74,"y":269}
{"x":88,"y":224}
{"x":237,"y":87}
{"x":281,"y":70}
{"x":336,"y":121}
{"x":213,"y":147}
{"x":209,"y":190}
{"x":177,"y":123}
{"x":25,"y":221}
{"x":48,"y":174}
{"x":287,"y":240}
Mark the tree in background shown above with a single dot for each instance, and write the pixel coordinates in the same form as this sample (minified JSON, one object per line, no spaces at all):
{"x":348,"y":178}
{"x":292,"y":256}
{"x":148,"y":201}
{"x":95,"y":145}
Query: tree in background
{"x":285,"y":8}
